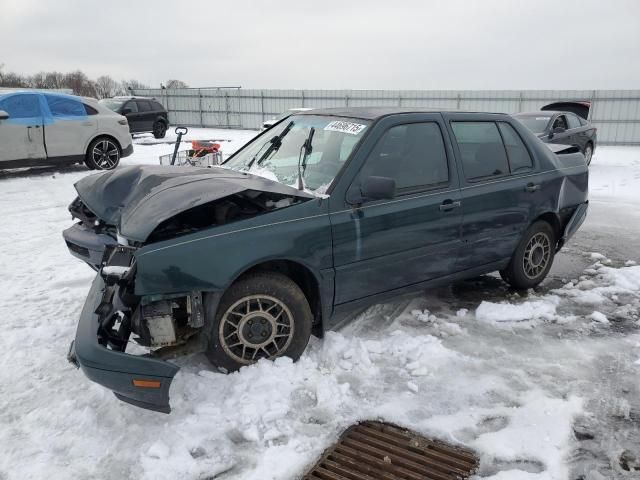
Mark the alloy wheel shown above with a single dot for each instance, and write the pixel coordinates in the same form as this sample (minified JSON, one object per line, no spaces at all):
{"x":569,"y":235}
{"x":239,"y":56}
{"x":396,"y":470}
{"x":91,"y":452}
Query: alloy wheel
{"x":105,"y":155}
{"x":254,"y":327}
{"x":536,"y":255}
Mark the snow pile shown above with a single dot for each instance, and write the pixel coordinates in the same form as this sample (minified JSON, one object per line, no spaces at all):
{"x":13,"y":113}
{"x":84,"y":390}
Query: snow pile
{"x":526,"y":312}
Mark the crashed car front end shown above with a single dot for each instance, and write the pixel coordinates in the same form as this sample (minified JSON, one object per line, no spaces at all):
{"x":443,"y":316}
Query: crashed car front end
{"x":113,"y":315}
{"x":126,"y":334}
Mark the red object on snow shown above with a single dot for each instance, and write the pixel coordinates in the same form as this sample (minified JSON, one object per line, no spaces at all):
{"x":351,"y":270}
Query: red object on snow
{"x":205,"y":146}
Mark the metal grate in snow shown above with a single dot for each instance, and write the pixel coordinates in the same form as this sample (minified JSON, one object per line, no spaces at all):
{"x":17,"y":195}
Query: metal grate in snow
{"x":375,"y":450}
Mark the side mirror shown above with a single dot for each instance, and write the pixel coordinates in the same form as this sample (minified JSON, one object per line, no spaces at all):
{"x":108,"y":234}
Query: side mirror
{"x":372,"y":188}
{"x":125,"y":111}
{"x":3,"y":115}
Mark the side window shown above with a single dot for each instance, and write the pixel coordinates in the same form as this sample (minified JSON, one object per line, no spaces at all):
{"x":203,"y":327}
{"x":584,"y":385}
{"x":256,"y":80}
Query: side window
{"x":21,"y":106}
{"x":582,"y":121}
{"x":481,"y":149}
{"x":413,"y":155}
{"x":132,"y":106}
{"x":560,"y":122}
{"x":518,"y":154}
{"x":65,"y":107}
{"x":90,"y":110}
{"x":157,"y":106}
{"x":573,"y":121}
{"x":143,"y":106}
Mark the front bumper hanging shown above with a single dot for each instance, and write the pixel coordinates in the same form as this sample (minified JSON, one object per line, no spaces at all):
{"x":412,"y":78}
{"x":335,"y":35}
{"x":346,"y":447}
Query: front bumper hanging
{"x":139,"y":380}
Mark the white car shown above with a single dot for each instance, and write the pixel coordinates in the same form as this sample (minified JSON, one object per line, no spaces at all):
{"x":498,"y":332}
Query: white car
{"x":270,"y":123}
{"x":42,"y":128}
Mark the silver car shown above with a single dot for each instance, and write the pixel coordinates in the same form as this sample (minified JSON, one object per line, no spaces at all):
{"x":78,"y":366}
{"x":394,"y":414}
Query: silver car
{"x":42,"y":128}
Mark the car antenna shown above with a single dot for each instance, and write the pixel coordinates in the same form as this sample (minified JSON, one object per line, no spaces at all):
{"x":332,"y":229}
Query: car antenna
{"x":302,"y":158}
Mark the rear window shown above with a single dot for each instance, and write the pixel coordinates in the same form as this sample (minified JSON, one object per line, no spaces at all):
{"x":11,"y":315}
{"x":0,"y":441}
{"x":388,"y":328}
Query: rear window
{"x":518,"y":154}
{"x":573,"y":121}
{"x":90,"y":110}
{"x":114,"y":105}
{"x":157,"y":106}
{"x":143,"y":106}
{"x":481,"y":149}
{"x":65,"y":107}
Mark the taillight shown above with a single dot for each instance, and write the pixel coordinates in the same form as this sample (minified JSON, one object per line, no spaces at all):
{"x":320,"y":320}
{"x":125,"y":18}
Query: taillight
{"x":123,"y":121}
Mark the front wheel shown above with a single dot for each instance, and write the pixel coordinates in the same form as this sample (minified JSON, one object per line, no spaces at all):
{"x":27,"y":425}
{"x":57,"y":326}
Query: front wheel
{"x":102,"y":154}
{"x":159,"y":129}
{"x":533,"y":257}
{"x":264,"y":315}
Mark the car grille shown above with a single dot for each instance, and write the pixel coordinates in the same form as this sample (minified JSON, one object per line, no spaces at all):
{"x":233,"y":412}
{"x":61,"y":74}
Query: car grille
{"x":375,"y":450}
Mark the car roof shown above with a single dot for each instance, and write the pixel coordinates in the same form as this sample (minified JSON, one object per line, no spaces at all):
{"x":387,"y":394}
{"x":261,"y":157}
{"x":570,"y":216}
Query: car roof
{"x":372,"y":113}
{"x":541,"y":113}
{"x":130,"y":97}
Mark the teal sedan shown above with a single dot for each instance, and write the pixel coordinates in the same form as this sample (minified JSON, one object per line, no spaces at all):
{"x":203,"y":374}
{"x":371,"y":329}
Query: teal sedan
{"x":326,"y":211}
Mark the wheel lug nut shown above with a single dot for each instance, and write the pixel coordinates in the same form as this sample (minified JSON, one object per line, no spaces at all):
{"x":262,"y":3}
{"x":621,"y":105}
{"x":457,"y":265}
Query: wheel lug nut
{"x":263,"y":321}
{"x":250,"y":335}
{"x":250,"y":322}
{"x":264,"y":334}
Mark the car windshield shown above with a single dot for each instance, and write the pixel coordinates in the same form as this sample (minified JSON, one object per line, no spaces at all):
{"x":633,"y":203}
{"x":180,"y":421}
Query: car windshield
{"x":275,"y":154}
{"x":112,"y":104}
{"x":537,"y":124}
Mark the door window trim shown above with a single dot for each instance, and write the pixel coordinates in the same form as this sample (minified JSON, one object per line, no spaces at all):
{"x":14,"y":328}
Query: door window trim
{"x":530,"y":169}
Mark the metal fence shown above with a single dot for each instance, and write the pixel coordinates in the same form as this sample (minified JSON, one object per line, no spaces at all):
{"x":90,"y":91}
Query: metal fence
{"x":616,"y":113}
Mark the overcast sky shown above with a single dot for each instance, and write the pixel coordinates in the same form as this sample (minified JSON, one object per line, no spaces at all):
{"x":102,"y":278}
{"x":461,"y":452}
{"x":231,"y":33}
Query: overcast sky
{"x":390,"y":44}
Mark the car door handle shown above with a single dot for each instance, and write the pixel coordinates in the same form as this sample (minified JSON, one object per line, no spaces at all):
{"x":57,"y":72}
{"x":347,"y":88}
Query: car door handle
{"x":449,"y":205}
{"x":532,"y":187}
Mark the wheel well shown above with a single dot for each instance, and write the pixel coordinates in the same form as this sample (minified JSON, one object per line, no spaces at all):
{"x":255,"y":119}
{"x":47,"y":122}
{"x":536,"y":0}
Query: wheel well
{"x":302,"y":276}
{"x":553,"y":220}
{"x":115,"y":140}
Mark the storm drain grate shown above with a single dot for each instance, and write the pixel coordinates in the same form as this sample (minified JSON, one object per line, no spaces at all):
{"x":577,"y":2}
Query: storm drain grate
{"x":375,"y":450}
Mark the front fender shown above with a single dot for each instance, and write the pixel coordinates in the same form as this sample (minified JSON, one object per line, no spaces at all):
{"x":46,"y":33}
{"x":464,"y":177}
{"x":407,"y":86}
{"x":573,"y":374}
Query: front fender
{"x":210,"y":260}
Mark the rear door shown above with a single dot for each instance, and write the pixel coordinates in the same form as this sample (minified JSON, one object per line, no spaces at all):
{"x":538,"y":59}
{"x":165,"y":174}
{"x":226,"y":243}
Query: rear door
{"x":68,"y":127}
{"x":147,"y":115}
{"x":384,"y":245}
{"x":499,"y":187}
{"x":21,"y":135}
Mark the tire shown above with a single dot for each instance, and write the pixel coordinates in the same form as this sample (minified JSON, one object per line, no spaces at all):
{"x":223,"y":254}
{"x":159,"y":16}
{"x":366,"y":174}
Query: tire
{"x":103,"y":154}
{"x":251,"y":322}
{"x":159,"y":129}
{"x":588,"y":153}
{"x":533,"y":257}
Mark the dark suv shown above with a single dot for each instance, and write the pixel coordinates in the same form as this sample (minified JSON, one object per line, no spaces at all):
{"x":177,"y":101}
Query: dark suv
{"x":143,"y":114}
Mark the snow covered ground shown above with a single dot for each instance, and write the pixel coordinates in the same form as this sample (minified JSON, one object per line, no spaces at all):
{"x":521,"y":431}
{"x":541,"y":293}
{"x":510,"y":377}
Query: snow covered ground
{"x":542,"y":387}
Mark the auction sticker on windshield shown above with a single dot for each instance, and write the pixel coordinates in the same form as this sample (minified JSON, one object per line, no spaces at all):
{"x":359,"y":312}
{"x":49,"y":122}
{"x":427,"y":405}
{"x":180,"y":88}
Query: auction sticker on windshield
{"x":345,"y":127}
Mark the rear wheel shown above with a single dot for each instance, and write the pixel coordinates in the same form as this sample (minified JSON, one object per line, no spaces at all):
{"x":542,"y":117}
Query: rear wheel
{"x":533,"y":258}
{"x":588,"y":153}
{"x":263,"y":315}
{"x":159,"y":129}
{"x":103,"y":154}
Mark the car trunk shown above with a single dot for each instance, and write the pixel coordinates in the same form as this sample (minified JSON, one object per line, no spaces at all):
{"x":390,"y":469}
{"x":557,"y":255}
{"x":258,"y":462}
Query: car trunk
{"x":580,"y":108}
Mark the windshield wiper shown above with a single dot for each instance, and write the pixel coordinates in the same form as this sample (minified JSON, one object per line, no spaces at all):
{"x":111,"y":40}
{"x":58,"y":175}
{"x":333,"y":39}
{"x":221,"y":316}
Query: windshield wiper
{"x":275,"y":144}
{"x":302,"y":158}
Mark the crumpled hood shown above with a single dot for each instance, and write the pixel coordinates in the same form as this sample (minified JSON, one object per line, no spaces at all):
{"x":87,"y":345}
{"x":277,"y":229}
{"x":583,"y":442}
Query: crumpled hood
{"x":137,"y":199}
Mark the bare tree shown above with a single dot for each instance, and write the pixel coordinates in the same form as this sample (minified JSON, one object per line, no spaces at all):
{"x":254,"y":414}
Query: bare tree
{"x":80,"y":84}
{"x":106,"y":87}
{"x":176,"y":84}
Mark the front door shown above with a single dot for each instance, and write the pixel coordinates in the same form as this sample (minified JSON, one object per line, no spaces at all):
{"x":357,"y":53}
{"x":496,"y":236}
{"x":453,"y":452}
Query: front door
{"x":384,"y":245}
{"x":134,"y":117}
{"x":68,"y":127}
{"x":21,"y":135}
